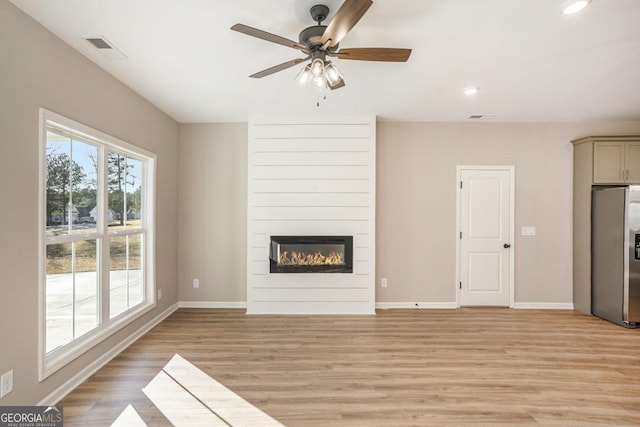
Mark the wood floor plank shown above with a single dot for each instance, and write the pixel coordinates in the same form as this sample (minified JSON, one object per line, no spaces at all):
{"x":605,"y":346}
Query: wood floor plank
{"x":481,"y":366}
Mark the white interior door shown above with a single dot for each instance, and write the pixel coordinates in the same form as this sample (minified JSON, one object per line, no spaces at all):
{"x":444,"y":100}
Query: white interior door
{"x":485,"y":213}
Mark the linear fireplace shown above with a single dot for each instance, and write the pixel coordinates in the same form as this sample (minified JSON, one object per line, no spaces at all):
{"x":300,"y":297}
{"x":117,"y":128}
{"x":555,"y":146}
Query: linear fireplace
{"x":311,"y":254}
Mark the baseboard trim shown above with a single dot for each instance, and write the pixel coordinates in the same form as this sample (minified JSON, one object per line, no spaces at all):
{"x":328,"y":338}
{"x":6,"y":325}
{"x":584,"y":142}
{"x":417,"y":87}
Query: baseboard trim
{"x":389,"y":305}
{"x":68,"y":386}
{"x":379,"y":305}
{"x":415,"y":305}
{"x":213,"y":304}
{"x":450,"y":305}
{"x":544,"y":305}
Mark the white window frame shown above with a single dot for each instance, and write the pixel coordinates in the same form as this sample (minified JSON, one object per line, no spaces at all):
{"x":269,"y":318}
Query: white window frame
{"x":56,"y":359}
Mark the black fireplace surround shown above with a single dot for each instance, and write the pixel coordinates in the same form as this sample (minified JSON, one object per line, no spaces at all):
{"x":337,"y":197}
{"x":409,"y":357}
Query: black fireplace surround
{"x":311,"y":254}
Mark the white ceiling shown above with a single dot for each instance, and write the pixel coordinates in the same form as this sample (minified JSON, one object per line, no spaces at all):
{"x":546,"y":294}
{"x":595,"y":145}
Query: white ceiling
{"x":531,"y":62}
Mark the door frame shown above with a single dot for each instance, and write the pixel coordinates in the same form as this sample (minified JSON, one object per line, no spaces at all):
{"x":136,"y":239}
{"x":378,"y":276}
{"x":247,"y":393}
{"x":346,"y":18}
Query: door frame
{"x":512,"y":175}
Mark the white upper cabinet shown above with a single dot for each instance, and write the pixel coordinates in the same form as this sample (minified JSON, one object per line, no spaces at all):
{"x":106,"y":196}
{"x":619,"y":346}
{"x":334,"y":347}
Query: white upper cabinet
{"x":616,"y":162}
{"x":633,"y":162}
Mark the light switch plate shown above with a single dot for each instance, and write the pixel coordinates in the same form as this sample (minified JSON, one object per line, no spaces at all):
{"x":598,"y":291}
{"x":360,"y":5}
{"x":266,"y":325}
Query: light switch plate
{"x":528,"y":230}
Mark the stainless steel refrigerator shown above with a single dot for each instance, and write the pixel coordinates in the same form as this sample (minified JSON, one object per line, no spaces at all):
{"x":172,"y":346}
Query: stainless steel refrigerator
{"x":615,"y":254}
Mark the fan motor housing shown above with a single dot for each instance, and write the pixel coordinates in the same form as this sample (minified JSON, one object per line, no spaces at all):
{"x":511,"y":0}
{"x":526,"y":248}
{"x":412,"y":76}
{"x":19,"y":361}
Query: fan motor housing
{"x":311,"y":37}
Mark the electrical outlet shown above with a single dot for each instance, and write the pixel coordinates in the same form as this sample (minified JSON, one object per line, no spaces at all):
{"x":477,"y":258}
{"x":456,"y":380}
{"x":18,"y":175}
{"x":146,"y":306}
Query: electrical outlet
{"x":6,"y":383}
{"x":196,"y":283}
{"x":383,"y":282}
{"x":159,"y":294}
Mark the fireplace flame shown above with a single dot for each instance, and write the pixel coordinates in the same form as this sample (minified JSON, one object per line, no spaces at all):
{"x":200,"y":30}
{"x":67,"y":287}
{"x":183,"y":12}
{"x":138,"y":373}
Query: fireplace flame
{"x":301,"y":258}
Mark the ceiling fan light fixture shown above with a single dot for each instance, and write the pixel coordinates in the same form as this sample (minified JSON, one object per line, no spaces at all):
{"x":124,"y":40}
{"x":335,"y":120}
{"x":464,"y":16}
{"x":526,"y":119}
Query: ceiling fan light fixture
{"x":319,"y":81}
{"x":575,"y":6}
{"x":304,"y":76}
{"x":332,"y":74}
{"x":317,"y":67}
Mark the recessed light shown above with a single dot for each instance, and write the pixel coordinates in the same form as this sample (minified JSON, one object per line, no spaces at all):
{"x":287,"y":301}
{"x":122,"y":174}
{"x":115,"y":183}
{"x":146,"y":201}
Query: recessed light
{"x":575,"y":6}
{"x":471,"y":90}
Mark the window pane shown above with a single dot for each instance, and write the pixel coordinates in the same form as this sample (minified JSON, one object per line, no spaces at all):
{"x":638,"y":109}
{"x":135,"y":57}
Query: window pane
{"x":59,"y":295}
{"x":126,"y":278}
{"x":134,"y":194}
{"x":72,"y":291}
{"x":84,"y":207}
{"x":71,"y":185}
{"x":58,"y":159}
{"x":125,"y":192}
{"x":86,"y":287}
{"x":116,"y":179}
{"x":136,"y":288}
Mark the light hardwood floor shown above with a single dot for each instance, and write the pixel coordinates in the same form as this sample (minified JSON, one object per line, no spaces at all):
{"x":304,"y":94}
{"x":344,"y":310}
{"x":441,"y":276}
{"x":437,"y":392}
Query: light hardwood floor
{"x":480,"y":366}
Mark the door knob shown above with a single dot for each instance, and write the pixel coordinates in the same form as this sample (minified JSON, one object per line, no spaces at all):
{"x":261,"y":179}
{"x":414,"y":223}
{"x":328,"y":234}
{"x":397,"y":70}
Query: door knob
{"x":506,"y":246}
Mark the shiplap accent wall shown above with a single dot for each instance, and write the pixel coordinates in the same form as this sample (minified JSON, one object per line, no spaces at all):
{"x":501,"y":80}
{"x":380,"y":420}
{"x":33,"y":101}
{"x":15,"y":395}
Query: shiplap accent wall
{"x":311,"y":176}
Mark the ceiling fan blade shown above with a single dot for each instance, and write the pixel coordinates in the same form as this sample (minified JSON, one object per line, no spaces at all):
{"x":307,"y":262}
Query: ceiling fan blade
{"x":277,"y":68}
{"x":374,"y":54}
{"x":254,"y":32}
{"x":345,"y":19}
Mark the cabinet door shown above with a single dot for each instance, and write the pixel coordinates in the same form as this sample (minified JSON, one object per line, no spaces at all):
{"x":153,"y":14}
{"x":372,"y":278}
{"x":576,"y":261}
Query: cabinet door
{"x":633,"y":162}
{"x":608,"y":162}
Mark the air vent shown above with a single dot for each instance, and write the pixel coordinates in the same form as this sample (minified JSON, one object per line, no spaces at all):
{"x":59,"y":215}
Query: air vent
{"x":106,"y":48}
{"x":99,"y":43}
{"x":482,"y":116}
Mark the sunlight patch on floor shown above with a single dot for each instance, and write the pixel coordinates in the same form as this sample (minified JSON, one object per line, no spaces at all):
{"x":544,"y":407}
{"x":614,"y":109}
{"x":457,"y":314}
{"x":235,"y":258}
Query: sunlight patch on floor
{"x":178,"y":404}
{"x":189,"y":397}
{"x":129,"y":418}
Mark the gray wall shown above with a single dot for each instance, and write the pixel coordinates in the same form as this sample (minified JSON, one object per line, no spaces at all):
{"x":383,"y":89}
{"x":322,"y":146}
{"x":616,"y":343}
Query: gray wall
{"x":416,"y":206}
{"x":213,"y":212}
{"x":39,"y":70}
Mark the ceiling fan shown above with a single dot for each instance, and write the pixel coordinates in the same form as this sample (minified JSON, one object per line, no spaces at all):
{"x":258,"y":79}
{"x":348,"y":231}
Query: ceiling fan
{"x":321,"y":41}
